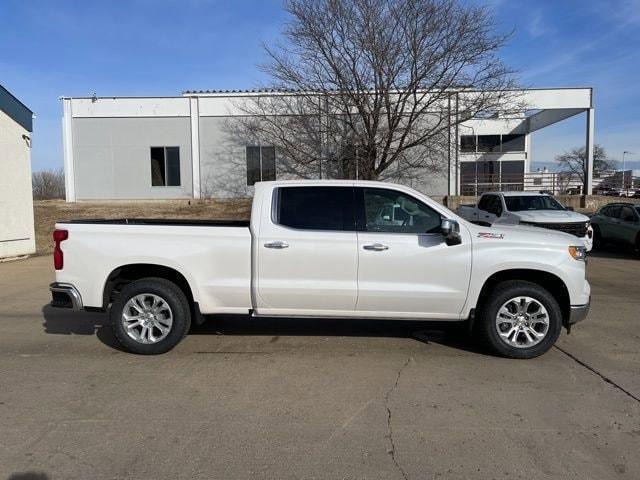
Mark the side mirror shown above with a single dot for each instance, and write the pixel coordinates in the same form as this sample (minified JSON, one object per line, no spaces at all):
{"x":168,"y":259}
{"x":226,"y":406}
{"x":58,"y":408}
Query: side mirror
{"x":571,"y":209}
{"x":450,"y":231}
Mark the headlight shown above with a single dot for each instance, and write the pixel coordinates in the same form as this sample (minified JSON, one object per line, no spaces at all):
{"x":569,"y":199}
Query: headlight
{"x":578,"y":252}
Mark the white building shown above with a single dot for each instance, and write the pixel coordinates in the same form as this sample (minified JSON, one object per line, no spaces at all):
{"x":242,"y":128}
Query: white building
{"x":180,"y":147}
{"x":16,"y":204}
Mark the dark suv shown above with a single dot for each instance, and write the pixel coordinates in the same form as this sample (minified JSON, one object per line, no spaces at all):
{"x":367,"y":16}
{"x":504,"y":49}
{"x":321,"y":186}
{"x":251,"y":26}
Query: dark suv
{"x":617,"y":223}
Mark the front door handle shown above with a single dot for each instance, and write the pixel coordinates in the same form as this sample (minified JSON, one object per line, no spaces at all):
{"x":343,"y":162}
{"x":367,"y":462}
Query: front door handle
{"x":376,"y":247}
{"x":277,"y":245}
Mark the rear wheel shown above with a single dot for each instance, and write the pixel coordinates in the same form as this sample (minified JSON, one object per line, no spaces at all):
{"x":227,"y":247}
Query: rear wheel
{"x":150,"y":316}
{"x":520,"y":320}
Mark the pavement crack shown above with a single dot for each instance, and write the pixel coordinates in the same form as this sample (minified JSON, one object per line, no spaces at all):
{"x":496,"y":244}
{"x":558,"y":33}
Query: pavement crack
{"x":596,"y":372}
{"x":392,"y":447}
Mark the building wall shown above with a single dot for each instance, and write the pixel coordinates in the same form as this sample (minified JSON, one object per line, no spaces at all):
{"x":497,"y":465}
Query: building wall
{"x":223,"y":163}
{"x":107,"y":142}
{"x":16,"y":204}
{"x":112,"y":157}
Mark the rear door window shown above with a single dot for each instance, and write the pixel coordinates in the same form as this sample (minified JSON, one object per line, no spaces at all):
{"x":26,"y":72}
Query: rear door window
{"x":494,"y":205}
{"x":626,"y":214}
{"x":484,"y":202}
{"x":315,"y":208}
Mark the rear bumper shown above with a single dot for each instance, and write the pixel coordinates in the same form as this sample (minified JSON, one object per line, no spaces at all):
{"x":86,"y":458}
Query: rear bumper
{"x":578,"y":313}
{"x":65,"y":295}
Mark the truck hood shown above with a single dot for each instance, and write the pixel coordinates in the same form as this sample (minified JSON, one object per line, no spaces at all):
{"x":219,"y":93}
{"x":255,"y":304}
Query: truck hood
{"x":518,"y":234}
{"x":550,"y":216}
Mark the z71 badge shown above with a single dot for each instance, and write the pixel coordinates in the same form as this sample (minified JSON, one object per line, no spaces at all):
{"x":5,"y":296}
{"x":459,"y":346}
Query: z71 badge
{"x":499,"y":236}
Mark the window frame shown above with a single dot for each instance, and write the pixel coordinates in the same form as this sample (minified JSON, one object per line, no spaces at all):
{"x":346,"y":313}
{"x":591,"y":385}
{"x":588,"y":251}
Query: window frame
{"x":361,"y":213}
{"x":166,"y":169}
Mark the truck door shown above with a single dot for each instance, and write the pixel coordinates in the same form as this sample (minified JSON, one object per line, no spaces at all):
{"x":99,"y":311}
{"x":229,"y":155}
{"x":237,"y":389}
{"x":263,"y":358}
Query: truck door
{"x":405,"y":267}
{"x":306,"y":252}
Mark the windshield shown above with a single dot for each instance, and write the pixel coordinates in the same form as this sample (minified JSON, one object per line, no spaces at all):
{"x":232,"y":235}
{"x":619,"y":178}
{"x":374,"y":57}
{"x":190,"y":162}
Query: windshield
{"x":531,"y":202}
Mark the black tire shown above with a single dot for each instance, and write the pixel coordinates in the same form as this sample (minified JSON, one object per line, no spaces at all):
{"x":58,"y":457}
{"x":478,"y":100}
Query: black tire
{"x":597,"y":238}
{"x":167,"y":291}
{"x":502,"y":293}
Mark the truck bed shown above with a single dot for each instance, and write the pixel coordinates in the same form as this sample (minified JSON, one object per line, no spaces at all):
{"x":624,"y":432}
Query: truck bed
{"x":160,"y":221}
{"x":214,"y":256}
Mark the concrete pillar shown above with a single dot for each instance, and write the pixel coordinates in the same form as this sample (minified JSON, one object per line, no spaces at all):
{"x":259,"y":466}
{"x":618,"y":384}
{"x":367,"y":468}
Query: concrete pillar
{"x":588,"y":180}
{"x":67,"y":145}
{"x":194,"y":109}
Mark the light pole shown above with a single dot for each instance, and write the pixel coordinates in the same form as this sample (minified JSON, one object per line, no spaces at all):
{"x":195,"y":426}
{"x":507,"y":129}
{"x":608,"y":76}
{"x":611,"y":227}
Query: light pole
{"x":624,"y":167}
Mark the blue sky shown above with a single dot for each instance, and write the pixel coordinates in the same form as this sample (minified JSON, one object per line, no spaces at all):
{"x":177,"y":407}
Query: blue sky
{"x":162,"y":47}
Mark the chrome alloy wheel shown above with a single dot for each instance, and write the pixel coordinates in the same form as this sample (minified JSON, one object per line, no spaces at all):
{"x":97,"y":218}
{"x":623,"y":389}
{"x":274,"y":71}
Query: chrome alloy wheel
{"x":522,"y":322}
{"x":147,"y":318}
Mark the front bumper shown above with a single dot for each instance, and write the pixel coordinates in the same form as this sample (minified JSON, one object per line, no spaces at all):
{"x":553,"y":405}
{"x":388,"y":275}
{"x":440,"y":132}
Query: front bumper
{"x":578,"y":313}
{"x":65,"y":295}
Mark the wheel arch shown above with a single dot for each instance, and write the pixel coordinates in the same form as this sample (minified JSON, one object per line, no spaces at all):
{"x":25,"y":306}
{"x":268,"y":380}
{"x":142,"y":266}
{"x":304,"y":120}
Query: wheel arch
{"x":550,"y":282}
{"x":125,"y":274}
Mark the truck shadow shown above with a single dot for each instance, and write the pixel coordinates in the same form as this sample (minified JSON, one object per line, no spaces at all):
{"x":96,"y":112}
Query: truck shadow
{"x":58,"y":321}
{"x":454,"y":335}
{"x":28,"y":476}
{"x":450,"y":334}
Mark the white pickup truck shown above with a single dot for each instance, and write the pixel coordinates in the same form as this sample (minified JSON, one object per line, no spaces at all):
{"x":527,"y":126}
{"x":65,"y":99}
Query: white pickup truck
{"x":324,"y":249}
{"x":528,"y":208}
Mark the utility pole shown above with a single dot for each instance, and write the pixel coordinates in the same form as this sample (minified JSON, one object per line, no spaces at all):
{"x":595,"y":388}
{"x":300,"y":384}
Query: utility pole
{"x":624,"y":168}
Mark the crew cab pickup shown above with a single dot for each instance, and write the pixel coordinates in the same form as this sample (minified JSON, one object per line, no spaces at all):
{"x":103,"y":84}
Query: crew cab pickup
{"x":349,"y":249}
{"x":528,"y":208}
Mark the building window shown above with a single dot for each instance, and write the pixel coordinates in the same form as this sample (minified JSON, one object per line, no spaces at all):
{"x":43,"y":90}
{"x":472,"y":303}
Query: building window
{"x":468,"y":143}
{"x":490,"y":175}
{"x":513,"y":143}
{"x":261,"y":164}
{"x":492,"y":143}
{"x":488,"y":143}
{"x":165,"y":166}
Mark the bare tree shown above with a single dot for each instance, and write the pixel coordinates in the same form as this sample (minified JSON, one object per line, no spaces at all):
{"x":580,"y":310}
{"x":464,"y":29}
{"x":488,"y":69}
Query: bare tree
{"x":48,"y":184}
{"x":373,"y":87}
{"x":574,"y":161}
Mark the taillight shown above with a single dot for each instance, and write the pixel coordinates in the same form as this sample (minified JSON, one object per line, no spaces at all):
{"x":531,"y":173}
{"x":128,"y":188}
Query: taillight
{"x":58,"y":256}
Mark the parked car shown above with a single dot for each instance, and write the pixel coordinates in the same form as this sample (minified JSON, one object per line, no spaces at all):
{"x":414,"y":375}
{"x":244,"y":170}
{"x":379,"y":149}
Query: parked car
{"x":528,"y":208}
{"x":324,"y":249}
{"x":617,"y":223}
{"x":615,"y":192}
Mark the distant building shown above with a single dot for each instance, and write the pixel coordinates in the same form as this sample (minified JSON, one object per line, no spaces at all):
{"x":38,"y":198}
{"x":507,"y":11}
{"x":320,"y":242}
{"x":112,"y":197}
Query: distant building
{"x":16,"y":204}
{"x":178,"y":147}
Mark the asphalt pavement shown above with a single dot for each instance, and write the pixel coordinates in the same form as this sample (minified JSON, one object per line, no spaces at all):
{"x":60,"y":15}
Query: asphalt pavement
{"x":338,"y":399}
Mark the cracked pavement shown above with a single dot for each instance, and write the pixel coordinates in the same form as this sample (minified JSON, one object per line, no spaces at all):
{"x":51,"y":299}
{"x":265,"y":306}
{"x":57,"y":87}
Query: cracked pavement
{"x":333,"y":399}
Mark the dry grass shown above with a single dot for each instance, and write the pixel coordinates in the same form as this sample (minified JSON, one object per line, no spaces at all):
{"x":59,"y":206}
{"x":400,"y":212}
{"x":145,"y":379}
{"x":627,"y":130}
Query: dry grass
{"x":48,"y":212}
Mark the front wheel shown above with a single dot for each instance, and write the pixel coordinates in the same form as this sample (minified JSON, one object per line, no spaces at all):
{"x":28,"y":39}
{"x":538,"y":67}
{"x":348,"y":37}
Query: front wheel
{"x":520,"y":320}
{"x":150,"y":316}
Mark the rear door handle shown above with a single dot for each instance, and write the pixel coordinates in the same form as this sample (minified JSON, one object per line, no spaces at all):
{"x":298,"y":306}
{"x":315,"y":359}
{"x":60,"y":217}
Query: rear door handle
{"x":277,"y":245}
{"x":376,"y":247}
